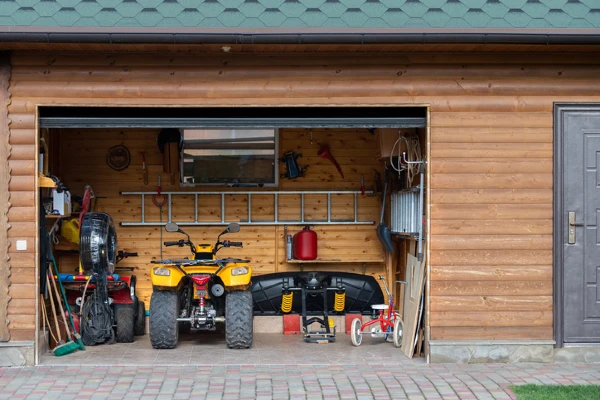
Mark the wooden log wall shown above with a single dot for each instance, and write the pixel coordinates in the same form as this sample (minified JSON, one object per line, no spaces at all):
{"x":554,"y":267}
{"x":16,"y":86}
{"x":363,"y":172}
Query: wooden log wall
{"x":490,"y":150}
{"x":4,"y":197}
{"x":83,"y":161}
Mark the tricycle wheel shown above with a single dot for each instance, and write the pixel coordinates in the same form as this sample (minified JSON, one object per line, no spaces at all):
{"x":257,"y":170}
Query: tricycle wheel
{"x":140,"y":319}
{"x":389,"y":335}
{"x":164,"y":328}
{"x":398,"y":332}
{"x":355,"y":333}
{"x":239,"y":321}
{"x":124,"y":318}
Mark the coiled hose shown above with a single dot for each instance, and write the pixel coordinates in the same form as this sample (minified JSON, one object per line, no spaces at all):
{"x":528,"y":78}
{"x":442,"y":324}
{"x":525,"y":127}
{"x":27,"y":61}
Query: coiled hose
{"x":97,"y":318}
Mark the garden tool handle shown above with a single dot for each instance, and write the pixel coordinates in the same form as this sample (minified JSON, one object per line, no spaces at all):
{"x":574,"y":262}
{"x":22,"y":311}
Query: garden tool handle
{"x":362,"y":185}
{"x":60,"y":306}
{"x":385,"y":186}
{"x":144,"y":169}
{"x":384,"y":284}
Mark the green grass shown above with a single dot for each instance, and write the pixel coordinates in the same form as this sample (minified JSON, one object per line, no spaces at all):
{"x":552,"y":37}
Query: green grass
{"x":555,"y":392}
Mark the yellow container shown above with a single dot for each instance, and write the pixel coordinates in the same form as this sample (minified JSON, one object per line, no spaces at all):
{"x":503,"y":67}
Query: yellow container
{"x":70,"y":230}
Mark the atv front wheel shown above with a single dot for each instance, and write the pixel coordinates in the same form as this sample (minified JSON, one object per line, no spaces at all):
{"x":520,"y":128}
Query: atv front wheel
{"x":164,"y":328}
{"x":239,"y":321}
{"x":124,"y":318}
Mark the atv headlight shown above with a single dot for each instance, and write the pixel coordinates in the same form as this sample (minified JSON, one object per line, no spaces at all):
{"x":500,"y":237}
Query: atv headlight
{"x":160,"y":271}
{"x":239,"y":271}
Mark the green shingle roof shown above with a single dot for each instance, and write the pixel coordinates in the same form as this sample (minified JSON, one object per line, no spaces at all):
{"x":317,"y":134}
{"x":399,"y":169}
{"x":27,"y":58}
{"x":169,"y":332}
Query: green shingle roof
{"x":303,"y":13}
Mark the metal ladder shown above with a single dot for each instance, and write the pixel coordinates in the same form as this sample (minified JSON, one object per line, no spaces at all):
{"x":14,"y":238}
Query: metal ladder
{"x":275,"y":221}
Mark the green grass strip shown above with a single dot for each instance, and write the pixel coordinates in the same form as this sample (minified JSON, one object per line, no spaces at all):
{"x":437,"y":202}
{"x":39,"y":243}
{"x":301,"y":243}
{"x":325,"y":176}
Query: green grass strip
{"x":556,"y":392}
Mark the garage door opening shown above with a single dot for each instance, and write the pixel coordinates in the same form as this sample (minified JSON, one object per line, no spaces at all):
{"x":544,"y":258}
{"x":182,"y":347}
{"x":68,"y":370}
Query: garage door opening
{"x":237,"y":166}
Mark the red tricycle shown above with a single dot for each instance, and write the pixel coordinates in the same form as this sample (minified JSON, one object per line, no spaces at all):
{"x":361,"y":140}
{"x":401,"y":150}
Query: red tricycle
{"x":386,"y":325}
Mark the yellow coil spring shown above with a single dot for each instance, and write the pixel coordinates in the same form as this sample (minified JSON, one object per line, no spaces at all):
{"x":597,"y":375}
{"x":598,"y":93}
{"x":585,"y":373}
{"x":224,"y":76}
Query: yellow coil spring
{"x":286,"y":302}
{"x":339,"y":302}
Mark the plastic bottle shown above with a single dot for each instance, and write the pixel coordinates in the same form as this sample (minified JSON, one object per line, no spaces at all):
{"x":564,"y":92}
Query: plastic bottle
{"x":289,"y":247}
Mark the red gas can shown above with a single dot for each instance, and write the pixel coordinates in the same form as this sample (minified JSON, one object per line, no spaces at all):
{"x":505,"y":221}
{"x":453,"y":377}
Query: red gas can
{"x":305,"y":244}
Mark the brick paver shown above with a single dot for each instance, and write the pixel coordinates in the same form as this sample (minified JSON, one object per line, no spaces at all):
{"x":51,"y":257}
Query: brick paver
{"x":323,"y":381}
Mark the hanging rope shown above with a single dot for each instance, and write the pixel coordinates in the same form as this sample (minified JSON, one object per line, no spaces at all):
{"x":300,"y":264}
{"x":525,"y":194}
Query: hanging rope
{"x":413,"y":153}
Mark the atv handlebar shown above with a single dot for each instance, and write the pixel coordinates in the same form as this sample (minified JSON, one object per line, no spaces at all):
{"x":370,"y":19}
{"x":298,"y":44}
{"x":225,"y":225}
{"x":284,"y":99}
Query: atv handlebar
{"x":122,"y":254}
{"x":174,"y":243}
{"x":229,"y":243}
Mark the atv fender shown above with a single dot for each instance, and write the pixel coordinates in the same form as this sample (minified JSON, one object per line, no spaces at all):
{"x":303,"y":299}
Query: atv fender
{"x":169,"y":282}
{"x":231,"y":280}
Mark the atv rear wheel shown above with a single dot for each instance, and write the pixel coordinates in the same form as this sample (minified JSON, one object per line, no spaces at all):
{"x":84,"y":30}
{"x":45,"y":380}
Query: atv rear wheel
{"x":140,"y":319}
{"x":164,"y":328}
{"x":239,"y":321}
{"x":124,"y":319}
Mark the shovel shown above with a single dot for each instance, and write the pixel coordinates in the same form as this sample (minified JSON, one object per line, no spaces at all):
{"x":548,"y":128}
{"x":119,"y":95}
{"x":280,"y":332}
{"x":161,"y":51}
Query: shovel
{"x":383,"y":231}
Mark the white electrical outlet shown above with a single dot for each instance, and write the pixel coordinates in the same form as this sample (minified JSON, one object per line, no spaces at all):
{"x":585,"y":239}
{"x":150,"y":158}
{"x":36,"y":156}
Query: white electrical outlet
{"x":21,"y":245}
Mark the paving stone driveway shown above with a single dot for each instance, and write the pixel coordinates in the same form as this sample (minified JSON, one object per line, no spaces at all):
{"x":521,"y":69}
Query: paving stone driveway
{"x":371,"y":381}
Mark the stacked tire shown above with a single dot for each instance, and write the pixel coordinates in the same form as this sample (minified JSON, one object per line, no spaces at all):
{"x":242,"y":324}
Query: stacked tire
{"x":98,"y":243}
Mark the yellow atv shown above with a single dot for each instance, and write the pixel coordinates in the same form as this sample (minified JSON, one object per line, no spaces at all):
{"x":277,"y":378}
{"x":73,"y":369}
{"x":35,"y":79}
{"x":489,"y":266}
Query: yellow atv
{"x":201,"y":292}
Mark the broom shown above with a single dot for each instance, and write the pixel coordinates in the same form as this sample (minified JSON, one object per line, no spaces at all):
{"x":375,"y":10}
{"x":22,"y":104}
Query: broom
{"x":58,"y":340}
{"x":70,"y":346}
{"x":76,"y":335}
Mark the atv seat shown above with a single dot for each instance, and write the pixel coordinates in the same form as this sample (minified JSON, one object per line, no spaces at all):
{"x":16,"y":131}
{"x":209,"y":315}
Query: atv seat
{"x":380,"y":306}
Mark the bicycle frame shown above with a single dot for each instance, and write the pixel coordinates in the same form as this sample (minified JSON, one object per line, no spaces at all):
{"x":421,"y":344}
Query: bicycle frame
{"x":384,"y":322}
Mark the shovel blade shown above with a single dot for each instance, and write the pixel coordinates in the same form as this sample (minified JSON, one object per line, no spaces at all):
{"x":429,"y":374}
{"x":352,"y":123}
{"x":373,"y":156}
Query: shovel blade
{"x":385,"y":237}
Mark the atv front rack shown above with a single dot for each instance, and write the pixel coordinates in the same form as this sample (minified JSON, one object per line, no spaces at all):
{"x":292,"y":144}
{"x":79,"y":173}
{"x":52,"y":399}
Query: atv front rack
{"x":188,"y":263}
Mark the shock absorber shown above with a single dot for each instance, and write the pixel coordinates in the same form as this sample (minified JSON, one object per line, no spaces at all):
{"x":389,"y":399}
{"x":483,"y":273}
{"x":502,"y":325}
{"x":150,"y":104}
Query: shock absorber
{"x":287,"y":299}
{"x":339,"y":301}
{"x":202,"y":304}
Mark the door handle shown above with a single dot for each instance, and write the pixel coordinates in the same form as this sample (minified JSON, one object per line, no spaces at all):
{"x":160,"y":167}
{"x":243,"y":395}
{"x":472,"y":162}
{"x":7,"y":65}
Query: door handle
{"x":572,"y":225}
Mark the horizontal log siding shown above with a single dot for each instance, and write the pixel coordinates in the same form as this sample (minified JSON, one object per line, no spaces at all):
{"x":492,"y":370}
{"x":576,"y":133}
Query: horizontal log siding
{"x":491,"y":149}
{"x":491,"y":253}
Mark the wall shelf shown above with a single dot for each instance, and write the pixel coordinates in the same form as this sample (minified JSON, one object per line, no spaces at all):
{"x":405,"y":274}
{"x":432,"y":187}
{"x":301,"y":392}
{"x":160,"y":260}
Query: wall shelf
{"x":56,"y":216}
{"x":335,"y":260}
{"x":45,"y":182}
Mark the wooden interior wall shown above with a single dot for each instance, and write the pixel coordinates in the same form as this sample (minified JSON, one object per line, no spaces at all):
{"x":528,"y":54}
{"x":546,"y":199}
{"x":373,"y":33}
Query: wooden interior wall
{"x":491,"y":149}
{"x":83,"y":161}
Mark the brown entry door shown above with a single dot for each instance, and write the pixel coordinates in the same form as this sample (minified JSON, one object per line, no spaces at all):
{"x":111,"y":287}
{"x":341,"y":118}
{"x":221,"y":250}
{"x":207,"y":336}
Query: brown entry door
{"x":581,"y":220}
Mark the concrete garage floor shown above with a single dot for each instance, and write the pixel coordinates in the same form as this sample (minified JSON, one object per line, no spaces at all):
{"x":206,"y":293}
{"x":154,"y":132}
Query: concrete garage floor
{"x":210,"y":349}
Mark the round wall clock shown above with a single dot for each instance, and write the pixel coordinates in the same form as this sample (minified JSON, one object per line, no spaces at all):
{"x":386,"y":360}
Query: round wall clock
{"x":118,"y":157}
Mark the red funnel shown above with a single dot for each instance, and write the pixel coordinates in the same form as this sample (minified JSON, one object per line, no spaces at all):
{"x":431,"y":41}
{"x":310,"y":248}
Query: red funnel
{"x":325,"y":153}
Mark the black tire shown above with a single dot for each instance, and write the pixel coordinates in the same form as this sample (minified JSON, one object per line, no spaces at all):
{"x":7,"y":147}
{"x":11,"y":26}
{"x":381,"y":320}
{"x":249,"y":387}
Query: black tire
{"x":124,"y":319}
{"x":239,"y":321}
{"x":164,"y":328}
{"x":98,"y":243}
{"x":140,"y":319}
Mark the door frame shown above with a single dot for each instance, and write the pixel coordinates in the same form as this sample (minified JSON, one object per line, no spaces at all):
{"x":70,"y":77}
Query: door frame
{"x":427,"y":210}
{"x":558,"y":224}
